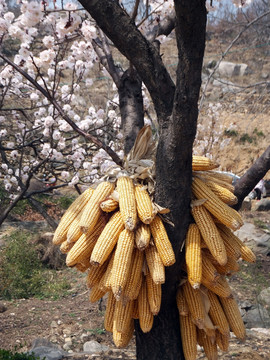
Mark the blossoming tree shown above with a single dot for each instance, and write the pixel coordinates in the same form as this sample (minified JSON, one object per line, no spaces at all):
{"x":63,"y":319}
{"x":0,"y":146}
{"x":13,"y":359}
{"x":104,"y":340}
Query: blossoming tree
{"x":50,"y":123}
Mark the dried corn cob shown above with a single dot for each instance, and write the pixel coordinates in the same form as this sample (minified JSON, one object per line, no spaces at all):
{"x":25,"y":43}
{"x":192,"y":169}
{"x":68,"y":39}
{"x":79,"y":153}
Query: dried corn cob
{"x":107,"y":239}
{"x":202,"y":163}
{"x":84,"y":245}
{"x":209,"y":347}
{"x":210,"y":233}
{"x":217,"y":315}
{"x":209,"y":272}
{"x":70,"y":215}
{"x":153,"y":294}
{"x":162,"y":241}
{"x":220,"y":288}
{"x":215,"y":206}
{"x":135,"y":310}
{"x":181,"y":302}
{"x":133,"y":285}
{"x":212,"y":176}
{"x":223,"y":193}
{"x":195,"y":304}
{"x":95,"y":274}
{"x":233,"y":316}
{"x":193,"y":256}
{"x":109,"y":314}
{"x":231,"y":267}
{"x":146,"y":317}
{"x":123,"y":316}
{"x":105,"y":282}
{"x":189,"y":337}
{"x":96,"y":293}
{"x":246,"y":253}
{"x":127,"y":202}
{"x":83,"y":266}
{"x":144,"y":205}
{"x":155,"y":264}
{"x":74,"y":231}
{"x":65,"y":247}
{"x":109,"y":205}
{"x":92,"y":211}
{"x":222,"y":341}
{"x":122,"y":262}
{"x":142,"y":236}
{"x":121,"y":340}
{"x":216,"y":175}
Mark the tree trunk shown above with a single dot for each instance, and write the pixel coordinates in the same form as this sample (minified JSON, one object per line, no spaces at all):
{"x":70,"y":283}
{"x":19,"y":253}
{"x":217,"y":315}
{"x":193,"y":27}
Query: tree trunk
{"x":174,"y":172}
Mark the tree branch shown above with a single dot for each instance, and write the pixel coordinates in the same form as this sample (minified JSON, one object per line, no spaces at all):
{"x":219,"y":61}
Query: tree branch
{"x":254,"y":174}
{"x":88,"y":136}
{"x":122,"y":31}
{"x":164,"y":27}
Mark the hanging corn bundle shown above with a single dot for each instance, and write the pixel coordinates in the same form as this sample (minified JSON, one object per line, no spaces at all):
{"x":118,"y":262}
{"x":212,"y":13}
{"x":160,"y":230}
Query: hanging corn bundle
{"x":115,"y":232}
{"x":207,"y":308}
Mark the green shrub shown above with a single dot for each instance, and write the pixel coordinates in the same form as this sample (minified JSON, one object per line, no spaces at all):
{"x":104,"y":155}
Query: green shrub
{"x":9,"y":355}
{"x":65,"y":202}
{"x":22,"y":273}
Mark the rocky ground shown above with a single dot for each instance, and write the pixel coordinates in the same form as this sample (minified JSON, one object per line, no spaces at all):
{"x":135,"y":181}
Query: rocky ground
{"x":70,"y":326}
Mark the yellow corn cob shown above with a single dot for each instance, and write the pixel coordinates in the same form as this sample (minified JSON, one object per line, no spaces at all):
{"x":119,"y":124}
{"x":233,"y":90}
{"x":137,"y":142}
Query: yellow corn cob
{"x":209,"y":272}
{"x":202,"y":163}
{"x":193,"y":256}
{"x":74,"y":231}
{"x":105,"y":282}
{"x":146,"y":317}
{"x":212,"y":176}
{"x":246,"y":253}
{"x":95,"y":274}
{"x":181,"y":302}
{"x":84,"y":245}
{"x":142,"y":236}
{"x":144,"y":205}
{"x":107,"y":239}
{"x":123,"y":315}
{"x":220,"y":288}
{"x":121,"y":340}
{"x":189,"y":337}
{"x":222,"y":341}
{"x":65,"y":247}
{"x":127,"y":202}
{"x":122,"y":262}
{"x":155,"y":264}
{"x":153,"y":294}
{"x":109,"y":205}
{"x":92,"y":210}
{"x":83,"y":265}
{"x":96,"y":293}
{"x":233,"y":316}
{"x":232,"y":248}
{"x":195,"y":304}
{"x":135,"y":310}
{"x":70,"y":215}
{"x":162,"y":241}
{"x":224,"y":194}
{"x":133,"y":285}
{"x":109,"y":314}
{"x":217,"y":315}
{"x":216,"y":175}
{"x":209,"y":347}
{"x":215,"y":206}
{"x":210,"y":233}
{"x":231,"y":267}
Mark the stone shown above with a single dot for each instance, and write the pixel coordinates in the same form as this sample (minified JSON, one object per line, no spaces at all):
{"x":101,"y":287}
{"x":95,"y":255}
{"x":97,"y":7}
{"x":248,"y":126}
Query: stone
{"x":3,"y":308}
{"x":93,"y":347}
{"x":54,"y":324}
{"x":262,"y":205}
{"x":257,"y":317}
{"x":229,"y":69}
{"x":45,"y":349}
{"x":264,"y":297}
{"x":246,"y":204}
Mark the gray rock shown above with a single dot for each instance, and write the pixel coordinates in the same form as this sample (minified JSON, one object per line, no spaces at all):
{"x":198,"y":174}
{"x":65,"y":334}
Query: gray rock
{"x":45,"y":349}
{"x":3,"y":308}
{"x":257,"y":317}
{"x":262,"y":205}
{"x":229,"y":69}
{"x":93,"y":347}
{"x":246,"y":204}
{"x":257,"y":239}
{"x":264,"y":297}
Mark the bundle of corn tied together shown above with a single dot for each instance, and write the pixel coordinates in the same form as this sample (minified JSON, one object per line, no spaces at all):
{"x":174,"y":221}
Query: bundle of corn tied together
{"x":207,"y":308}
{"x":116,"y":234}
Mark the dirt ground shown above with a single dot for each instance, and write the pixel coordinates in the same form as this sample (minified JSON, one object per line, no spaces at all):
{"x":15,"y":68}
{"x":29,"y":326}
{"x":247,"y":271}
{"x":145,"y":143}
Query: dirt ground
{"x":75,"y":317}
